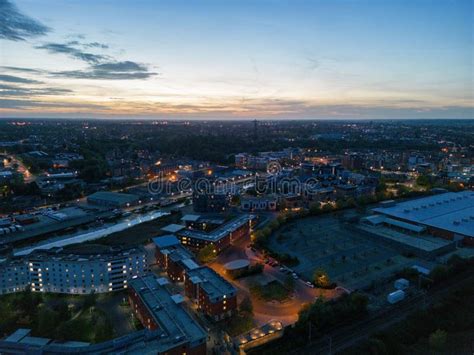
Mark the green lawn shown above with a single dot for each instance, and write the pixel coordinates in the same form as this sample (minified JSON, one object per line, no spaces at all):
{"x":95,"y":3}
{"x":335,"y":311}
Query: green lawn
{"x":274,"y":290}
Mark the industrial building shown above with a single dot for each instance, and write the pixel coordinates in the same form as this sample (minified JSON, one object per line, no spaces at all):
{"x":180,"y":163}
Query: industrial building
{"x":25,"y":226}
{"x":75,"y":272}
{"x":112,"y":199}
{"x":449,"y":216}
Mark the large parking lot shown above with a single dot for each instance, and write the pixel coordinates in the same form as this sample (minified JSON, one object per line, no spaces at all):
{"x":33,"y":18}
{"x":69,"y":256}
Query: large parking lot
{"x":350,"y":259}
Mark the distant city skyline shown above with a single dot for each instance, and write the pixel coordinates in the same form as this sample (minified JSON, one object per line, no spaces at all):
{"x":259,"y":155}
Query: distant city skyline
{"x":236,"y":59}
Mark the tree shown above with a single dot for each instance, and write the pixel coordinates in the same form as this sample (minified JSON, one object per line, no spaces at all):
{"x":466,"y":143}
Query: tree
{"x":28,"y":301}
{"x":321,"y":278}
{"x":104,"y":330}
{"x":315,"y":209}
{"x":90,"y":300}
{"x":207,"y":254}
{"x":439,"y":273}
{"x":423,"y":180}
{"x":246,"y":305}
{"x":48,"y":320}
{"x":62,"y":308}
{"x":438,"y":339}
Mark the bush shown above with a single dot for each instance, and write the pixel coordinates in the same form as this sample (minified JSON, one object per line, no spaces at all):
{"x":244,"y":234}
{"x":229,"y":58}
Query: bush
{"x":438,"y":339}
{"x":207,"y":254}
{"x":322,"y":280}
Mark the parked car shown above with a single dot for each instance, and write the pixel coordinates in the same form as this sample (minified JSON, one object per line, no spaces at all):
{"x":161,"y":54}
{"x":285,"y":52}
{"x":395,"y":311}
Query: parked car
{"x":309,"y":284}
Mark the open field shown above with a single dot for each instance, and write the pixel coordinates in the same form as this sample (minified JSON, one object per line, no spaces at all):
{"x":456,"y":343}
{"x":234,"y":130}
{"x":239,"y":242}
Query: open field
{"x":138,"y":234}
{"x":349,"y":259}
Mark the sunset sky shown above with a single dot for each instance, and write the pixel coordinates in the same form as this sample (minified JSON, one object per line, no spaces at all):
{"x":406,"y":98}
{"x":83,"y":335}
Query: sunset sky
{"x":237,"y":59}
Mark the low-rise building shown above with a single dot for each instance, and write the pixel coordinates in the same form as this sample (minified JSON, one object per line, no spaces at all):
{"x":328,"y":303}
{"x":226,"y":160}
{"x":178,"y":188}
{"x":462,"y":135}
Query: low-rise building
{"x":158,"y":309}
{"x":173,"y":257}
{"x":112,"y":199}
{"x":214,"y":296}
{"x":258,"y":204}
{"x":221,"y":237}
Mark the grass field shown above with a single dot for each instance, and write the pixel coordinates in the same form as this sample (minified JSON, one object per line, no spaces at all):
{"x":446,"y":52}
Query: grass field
{"x":274,"y":290}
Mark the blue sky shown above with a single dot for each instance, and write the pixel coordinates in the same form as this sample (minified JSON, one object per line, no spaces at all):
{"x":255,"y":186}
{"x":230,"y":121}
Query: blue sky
{"x":237,"y":59}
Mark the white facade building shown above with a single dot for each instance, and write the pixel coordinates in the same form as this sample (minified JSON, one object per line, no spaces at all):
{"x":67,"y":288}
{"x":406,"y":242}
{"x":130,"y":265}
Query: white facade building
{"x":59,"y":271}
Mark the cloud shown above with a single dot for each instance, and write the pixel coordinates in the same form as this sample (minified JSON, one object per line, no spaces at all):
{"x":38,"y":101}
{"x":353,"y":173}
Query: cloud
{"x":20,"y":91}
{"x":23,"y":70}
{"x":126,"y":70}
{"x":100,"y":66}
{"x":95,"y":45}
{"x":15,"y":26}
{"x":76,"y":53}
{"x":15,"y":104}
{"x":17,"y":79}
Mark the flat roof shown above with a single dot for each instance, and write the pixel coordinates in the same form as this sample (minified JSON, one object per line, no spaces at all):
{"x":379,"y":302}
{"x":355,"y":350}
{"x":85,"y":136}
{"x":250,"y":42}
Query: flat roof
{"x":453,"y":211}
{"x":190,"y":264}
{"x":172,"y":228}
{"x":422,"y":242}
{"x":35,"y":341}
{"x":211,"y":282}
{"x":165,"y":241}
{"x":113,"y":196}
{"x":190,"y":217}
{"x":404,"y":225}
{"x":173,"y":319}
{"x":19,"y":334}
{"x":220,"y":231}
{"x":237,"y":264}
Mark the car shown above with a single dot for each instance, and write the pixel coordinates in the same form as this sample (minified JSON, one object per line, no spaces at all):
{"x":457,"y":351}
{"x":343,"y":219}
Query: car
{"x":309,"y":284}
{"x":295,"y":276}
{"x":253,"y":249}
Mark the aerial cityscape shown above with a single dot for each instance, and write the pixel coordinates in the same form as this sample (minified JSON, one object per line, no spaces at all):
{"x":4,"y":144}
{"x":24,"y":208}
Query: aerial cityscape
{"x":236,"y":177}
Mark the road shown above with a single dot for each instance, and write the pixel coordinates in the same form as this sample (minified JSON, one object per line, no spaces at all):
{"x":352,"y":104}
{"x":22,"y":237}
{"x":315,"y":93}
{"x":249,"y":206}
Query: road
{"x":285,"y":312}
{"x":352,"y":334}
{"x":21,"y":168}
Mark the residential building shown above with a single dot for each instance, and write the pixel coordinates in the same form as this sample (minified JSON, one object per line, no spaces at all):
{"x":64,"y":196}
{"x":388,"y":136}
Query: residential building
{"x":75,"y":272}
{"x":158,"y":309}
{"x":214,"y":295}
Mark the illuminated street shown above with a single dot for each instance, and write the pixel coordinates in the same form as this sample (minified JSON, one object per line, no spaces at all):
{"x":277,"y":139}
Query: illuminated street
{"x":285,"y":312}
